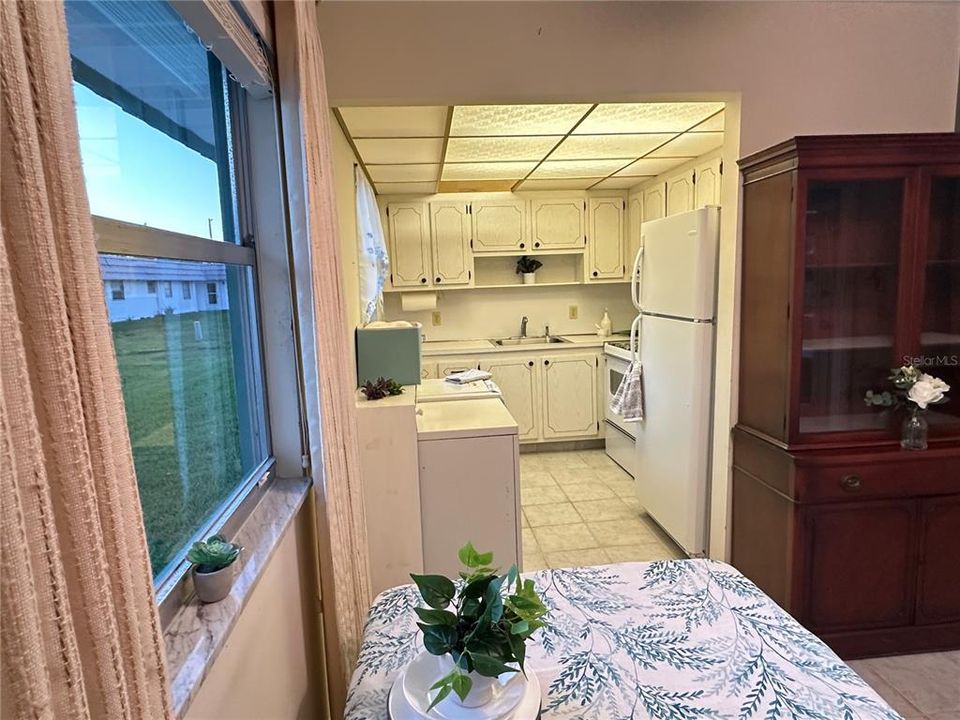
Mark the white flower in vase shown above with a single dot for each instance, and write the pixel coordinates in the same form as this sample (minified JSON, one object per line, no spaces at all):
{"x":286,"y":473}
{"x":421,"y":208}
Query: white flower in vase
{"x":927,"y":390}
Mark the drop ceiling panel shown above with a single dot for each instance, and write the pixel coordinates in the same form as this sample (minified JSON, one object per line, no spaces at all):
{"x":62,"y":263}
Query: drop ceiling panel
{"x":690,"y":145}
{"x":395,"y":121}
{"x":577,"y":168}
{"x":404,"y":188}
{"x":487,"y":171}
{"x":393,"y":150}
{"x":515,"y":119}
{"x":483,"y":149}
{"x":558,"y":184}
{"x":645,"y":117}
{"x":608,"y":146}
{"x":619,"y":183}
{"x":713,"y":123}
{"x":404,"y":173}
{"x":650,"y":167}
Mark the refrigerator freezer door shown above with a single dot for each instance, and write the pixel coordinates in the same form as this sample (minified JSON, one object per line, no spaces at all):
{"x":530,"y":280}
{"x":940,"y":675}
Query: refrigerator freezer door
{"x":679,"y":268}
{"x":673,"y":440}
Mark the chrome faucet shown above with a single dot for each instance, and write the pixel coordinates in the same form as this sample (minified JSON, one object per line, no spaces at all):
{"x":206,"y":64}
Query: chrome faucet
{"x":523,"y":326}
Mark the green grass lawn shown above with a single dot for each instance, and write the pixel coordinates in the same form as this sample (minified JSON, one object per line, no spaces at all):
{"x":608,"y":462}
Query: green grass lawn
{"x":181,"y":408}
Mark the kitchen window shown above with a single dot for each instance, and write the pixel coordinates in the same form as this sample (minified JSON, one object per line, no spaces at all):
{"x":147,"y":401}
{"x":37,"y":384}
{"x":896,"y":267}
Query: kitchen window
{"x":156,"y":113}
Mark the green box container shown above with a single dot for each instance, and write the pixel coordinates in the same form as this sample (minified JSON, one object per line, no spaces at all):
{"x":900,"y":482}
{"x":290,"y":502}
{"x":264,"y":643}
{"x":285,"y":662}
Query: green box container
{"x":390,"y":352}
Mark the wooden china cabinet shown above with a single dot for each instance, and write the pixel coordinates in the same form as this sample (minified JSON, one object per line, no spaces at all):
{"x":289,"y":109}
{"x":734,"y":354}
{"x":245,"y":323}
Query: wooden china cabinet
{"x":851,"y":266}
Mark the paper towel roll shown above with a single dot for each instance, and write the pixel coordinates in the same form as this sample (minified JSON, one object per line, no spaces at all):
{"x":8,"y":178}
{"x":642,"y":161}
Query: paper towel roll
{"x":417,"y":302}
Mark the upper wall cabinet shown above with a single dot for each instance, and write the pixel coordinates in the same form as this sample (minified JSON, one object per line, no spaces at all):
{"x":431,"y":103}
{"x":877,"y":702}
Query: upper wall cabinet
{"x":557,"y":223}
{"x":409,"y":231}
{"x":499,"y":225}
{"x":707,"y":175}
{"x":655,"y":202}
{"x":680,"y":192}
{"x":605,"y":238}
{"x":450,"y":235}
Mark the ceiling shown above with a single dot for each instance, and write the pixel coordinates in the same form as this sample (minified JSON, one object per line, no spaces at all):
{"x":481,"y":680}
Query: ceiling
{"x":600,"y":146}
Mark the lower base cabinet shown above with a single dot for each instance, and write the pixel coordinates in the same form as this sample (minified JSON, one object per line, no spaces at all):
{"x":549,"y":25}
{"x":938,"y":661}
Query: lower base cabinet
{"x":862,"y":546}
{"x":570,"y":391}
{"x":519,"y":380}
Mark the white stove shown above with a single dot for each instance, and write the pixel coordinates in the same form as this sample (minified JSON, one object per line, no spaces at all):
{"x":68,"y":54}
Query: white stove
{"x":620,"y":436}
{"x":618,"y":349}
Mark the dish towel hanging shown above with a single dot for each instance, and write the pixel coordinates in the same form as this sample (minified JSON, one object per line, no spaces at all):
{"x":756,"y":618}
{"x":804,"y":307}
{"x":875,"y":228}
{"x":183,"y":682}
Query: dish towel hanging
{"x":373,"y":263}
{"x":628,"y":400}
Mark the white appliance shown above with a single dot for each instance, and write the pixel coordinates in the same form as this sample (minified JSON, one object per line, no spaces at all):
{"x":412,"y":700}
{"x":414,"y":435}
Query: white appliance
{"x":430,"y":390}
{"x":674,"y":288}
{"x":620,"y":438}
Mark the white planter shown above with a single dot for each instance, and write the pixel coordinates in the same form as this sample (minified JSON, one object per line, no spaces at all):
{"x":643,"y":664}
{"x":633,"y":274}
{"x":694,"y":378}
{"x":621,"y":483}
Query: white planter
{"x":484,"y":689}
{"x":529,"y":278}
{"x":214,"y":586}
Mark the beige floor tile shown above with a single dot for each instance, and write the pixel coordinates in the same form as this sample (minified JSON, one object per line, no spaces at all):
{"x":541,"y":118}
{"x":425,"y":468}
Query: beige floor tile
{"x":536,"y":478}
{"x":930,"y":681}
{"x":605,"y":509}
{"x":614,"y":473}
{"x":530,"y":461}
{"x":529,"y":541}
{"x":564,"y":537}
{"x":523,"y":519}
{"x":614,"y":533}
{"x":622,"y":488}
{"x":885,"y":690}
{"x":552,"y":514}
{"x":534,"y":561}
{"x":633,"y":503}
{"x":587,"y":491}
{"x":577,"y":558}
{"x":640,"y":553}
{"x":541,"y":495}
{"x":561,"y":459}
{"x":596,"y":458}
{"x":575,"y":475}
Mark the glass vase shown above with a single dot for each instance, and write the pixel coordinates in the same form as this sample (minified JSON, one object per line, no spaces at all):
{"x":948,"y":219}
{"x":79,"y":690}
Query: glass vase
{"x":913,"y":434}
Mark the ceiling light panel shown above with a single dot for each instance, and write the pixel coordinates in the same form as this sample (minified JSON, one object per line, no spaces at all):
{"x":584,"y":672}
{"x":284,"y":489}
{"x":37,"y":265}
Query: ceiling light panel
{"x":426,"y":121}
{"x":404,"y":173}
{"x":392,"y":151}
{"x":608,"y":146}
{"x":690,"y":145}
{"x":484,"y":149}
{"x":712,"y":123}
{"x":487,"y":171}
{"x":558,"y":184}
{"x":619,"y":183}
{"x":404,"y":188}
{"x":577,"y":168}
{"x":515,"y":119}
{"x":645,"y":117}
{"x":650,"y":168}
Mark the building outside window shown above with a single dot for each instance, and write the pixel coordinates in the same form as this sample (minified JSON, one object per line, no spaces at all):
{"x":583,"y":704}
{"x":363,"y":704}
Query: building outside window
{"x":158,"y":139}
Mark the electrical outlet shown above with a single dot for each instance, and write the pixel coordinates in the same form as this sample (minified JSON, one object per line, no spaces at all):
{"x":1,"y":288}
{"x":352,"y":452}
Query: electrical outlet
{"x":572,"y":313}
{"x":436,"y":317}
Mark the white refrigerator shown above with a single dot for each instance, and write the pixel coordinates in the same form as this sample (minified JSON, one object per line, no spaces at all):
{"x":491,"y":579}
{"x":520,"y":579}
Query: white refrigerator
{"x":674,"y":288}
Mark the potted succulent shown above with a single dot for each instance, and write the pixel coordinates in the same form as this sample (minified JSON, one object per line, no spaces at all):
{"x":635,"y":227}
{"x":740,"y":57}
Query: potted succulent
{"x":527,"y":267}
{"x":917,"y":391}
{"x":382,"y":388}
{"x":478,"y":626}
{"x":213,"y":567}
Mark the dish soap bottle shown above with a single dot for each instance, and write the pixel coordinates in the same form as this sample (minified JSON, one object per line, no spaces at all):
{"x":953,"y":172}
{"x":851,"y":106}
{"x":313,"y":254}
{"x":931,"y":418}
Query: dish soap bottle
{"x":605,"y":326}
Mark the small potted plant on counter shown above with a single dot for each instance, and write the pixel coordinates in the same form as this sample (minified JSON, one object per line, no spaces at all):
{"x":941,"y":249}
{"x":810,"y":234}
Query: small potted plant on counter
{"x":527,"y":267}
{"x":478,"y":628}
{"x":213,"y":567}
{"x":917,"y":391}
{"x":382,"y":388}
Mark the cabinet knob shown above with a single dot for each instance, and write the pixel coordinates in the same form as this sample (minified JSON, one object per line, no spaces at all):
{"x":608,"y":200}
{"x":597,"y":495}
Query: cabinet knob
{"x":536,"y":244}
{"x":595,"y":273}
{"x":546,"y":362}
{"x":438,"y":280}
{"x":851,"y":483}
{"x":522,"y":246}
{"x":423,"y":280}
{"x":530,"y":363}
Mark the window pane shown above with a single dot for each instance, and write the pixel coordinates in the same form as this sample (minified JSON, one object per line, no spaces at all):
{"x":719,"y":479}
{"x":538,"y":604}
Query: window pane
{"x":192,"y":399}
{"x":152,"y":118}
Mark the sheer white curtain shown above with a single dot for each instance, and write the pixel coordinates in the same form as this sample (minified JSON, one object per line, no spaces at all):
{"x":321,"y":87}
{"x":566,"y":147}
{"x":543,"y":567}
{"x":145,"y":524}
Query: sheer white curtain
{"x":373,"y":263}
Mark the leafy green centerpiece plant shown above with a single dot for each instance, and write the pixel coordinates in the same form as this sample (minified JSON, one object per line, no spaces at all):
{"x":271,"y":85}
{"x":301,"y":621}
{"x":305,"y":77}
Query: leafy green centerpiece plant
{"x":213,"y":560}
{"x":482,"y":623}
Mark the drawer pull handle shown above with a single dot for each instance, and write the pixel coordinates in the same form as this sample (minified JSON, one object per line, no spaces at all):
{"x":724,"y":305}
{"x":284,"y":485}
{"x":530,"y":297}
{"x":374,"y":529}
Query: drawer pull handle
{"x":851,"y":483}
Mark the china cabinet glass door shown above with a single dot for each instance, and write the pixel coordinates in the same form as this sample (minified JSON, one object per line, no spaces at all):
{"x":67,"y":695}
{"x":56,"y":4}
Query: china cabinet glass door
{"x":851,"y":277}
{"x":940,"y":324}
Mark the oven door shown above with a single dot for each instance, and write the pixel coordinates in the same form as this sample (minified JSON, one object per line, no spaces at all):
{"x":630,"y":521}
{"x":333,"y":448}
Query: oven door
{"x":616,"y":368}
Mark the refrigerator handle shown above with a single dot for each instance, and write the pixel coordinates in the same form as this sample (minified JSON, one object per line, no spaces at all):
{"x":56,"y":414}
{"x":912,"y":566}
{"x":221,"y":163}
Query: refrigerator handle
{"x":635,"y":336}
{"x":637,"y":276}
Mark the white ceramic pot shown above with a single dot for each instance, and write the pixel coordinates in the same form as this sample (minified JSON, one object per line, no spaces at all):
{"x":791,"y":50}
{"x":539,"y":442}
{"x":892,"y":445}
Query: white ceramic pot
{"x":483,"y":691}
{"x":529,"y":278}
{"x":214,"y":586}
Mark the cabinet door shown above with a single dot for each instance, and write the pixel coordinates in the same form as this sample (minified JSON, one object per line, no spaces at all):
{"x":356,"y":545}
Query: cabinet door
{"x":558,"y":223}
{"x":428,"y":369}
{"x":409,"y":229}
{"x":605,"y":239}
{"x":448,"y":366}
{"x":680,"y":193}
{"x":861,"y":572}
{"x":499,"y":225}
{"x":707,"y":188}
{"x":938,"y":587}
{"x":655,"y":202}
{"x":634,"y":220}
{"x":519,"y":380}
{"x":570,"y":396}
{"x":450,"y":240}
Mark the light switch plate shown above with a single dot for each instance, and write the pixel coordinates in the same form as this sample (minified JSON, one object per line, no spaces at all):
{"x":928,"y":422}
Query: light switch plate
{"x":436,"y":317}
{"x":573,"y":312}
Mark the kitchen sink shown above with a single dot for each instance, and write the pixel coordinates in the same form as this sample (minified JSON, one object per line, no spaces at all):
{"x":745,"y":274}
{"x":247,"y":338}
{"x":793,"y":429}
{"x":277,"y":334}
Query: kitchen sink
{"x":541,"y":340}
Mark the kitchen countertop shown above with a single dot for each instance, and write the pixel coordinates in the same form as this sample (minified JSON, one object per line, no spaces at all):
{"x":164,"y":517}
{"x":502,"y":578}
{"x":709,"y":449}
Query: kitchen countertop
{"x":464,"y":418}
{"x":437,"y":348}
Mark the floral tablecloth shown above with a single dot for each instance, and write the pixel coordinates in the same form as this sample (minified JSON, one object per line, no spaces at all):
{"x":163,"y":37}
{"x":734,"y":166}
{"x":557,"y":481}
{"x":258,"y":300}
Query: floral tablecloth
{"x":672,"y":640}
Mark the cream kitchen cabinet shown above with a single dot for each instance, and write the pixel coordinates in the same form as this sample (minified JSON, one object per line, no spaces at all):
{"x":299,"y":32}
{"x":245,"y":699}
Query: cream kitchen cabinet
{"x":450,"y":243}
{"x":605,"y":239}
{"x":634,"y":221}
{"x":557,"y":223}
{"x":680,"y":192}
{"x":518,"y":378}
{"x":570,"y":391}
{"x":448,"y":366}
{"x":428,"y":369}
{"x":707,"y":191}
{"x":409,"y":232}
{"x":654,"y":202}
{"x":499,"y":225}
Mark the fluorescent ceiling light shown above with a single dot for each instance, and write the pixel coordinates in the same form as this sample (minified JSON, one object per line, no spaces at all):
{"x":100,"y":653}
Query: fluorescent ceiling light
{"x":645,"y":117}
{"x":487,"y":171}
{"x":608,"y":146}
{"x":483,"y":149}
{"x":645,"y":167}
{"x":515,"y":119}
{"x":558,"y":183}
{"x":395,"y":121}
{"x":577,"y":168}
{"x":690,"y":145}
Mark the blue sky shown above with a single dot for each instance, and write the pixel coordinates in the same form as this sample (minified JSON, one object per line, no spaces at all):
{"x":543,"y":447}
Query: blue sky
{"x":137,"y":174}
